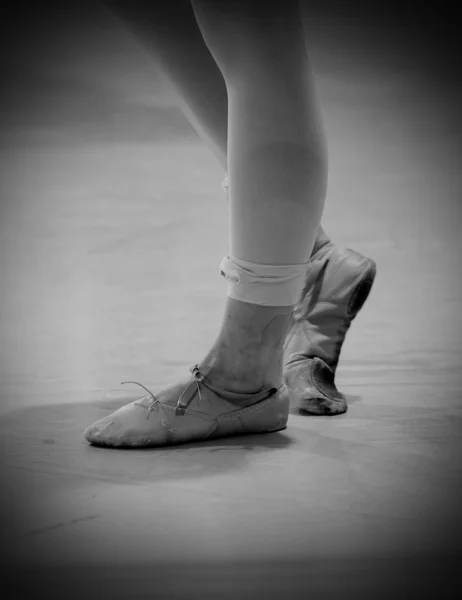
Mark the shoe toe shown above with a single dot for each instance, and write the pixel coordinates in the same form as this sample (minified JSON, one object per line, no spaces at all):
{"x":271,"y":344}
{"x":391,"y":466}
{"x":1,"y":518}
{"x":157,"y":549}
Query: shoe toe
{"x":116,"y":429}
{"x":321,"y":405}
{"x":99,"y":432}
{"x":312,"y":388}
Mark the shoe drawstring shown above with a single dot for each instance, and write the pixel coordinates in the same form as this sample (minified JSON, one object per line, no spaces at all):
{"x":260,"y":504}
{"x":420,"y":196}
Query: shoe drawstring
{"x":183,"y":400}
{"x":154,"y":402}
{"x":181,"y":406}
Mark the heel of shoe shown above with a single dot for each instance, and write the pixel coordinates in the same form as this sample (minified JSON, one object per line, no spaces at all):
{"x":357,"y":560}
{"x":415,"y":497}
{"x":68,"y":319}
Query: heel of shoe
{"x":269,"y":415}
{"x":362,"y":291}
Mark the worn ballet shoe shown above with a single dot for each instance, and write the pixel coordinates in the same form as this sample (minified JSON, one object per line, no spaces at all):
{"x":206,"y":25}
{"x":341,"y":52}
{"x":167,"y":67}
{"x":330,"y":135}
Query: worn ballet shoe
{"x":338,"y":283}
{"x":190,"y":411}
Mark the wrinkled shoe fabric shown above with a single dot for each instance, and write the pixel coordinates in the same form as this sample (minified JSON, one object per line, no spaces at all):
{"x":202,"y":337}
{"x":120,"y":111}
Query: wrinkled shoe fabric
{"x":338,"y":283}
{"x":190,"y":411}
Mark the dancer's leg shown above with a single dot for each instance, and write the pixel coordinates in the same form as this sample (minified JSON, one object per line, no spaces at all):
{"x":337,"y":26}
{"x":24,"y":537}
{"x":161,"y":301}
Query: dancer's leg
{"x":170,"y":31}
{"x":277,"y":169}
{"x":325,"y":311}
{"x":276,"y":150}
{"x":276,"y":164}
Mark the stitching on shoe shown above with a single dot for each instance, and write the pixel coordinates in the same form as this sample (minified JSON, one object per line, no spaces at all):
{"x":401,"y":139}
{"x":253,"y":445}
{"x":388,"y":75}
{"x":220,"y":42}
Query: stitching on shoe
{"x":241,"y":422}
{"x":305,"y":325}
{"x":211,"y":430}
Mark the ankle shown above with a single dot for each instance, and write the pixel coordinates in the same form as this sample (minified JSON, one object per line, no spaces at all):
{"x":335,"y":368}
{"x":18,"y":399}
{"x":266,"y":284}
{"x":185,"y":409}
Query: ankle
{"x":250,"y":331}
{"x":247,"y":372}
{"x":248,"y":353}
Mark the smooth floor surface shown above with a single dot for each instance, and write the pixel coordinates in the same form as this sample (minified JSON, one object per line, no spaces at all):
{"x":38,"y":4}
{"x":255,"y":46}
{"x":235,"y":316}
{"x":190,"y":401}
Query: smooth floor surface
{"x":112,"y":231}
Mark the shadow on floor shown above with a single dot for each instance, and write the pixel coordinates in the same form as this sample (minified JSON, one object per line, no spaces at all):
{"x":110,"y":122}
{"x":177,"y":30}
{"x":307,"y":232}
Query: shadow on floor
{"x":49,"y":439}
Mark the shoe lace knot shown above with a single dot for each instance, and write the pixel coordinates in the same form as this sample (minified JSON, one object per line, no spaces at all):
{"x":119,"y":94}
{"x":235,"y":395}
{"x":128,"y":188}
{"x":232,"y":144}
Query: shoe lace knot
{"x":183,"y":401}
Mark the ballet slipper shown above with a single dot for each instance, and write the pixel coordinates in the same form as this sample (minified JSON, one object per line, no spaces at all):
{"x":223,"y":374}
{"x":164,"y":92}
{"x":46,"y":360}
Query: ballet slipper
{"x":190,"y":411}
{"x":337,"y":285}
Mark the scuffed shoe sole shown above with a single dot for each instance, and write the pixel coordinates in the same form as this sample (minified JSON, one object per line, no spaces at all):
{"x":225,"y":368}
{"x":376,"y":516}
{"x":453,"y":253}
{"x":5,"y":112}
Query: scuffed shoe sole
{"x":312,"y":389}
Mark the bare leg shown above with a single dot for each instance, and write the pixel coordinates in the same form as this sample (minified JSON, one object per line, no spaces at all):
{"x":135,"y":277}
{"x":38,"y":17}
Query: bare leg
{"x":171,"y":32}
{"x":276,"y":156}
{"x":276,"y":163}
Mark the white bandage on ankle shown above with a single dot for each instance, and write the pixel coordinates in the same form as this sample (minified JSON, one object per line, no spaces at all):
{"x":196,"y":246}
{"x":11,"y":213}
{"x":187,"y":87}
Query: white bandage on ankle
{"x":267,"y":285}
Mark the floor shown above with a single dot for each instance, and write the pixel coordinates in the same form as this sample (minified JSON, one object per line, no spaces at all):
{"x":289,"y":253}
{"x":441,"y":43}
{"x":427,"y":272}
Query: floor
{"x":113,"y":226}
